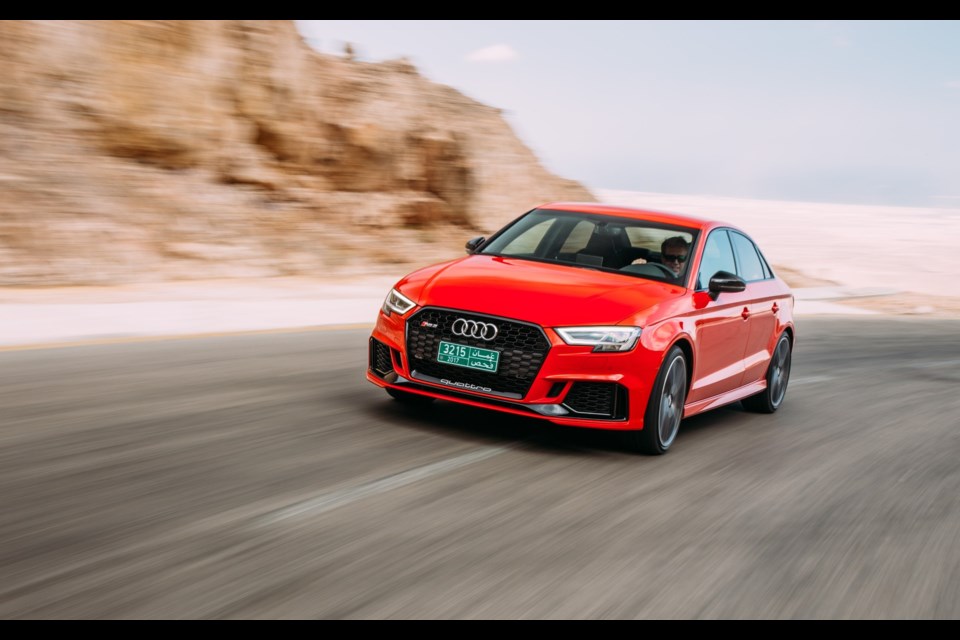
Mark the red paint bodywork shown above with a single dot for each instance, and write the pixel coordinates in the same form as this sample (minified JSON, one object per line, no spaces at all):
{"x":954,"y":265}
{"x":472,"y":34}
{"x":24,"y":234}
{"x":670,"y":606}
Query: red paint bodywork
{"x":729,"y":341}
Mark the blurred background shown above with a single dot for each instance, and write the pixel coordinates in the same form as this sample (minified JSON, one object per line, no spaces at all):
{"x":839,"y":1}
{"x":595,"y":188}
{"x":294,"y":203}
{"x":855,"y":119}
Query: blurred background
{"x":150,"y":151}
{"x":164,"y":151}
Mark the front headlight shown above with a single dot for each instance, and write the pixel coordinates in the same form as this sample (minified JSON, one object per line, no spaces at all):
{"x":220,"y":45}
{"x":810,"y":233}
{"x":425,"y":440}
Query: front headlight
{"x":397,"y":302}
{"x":601,"y":338}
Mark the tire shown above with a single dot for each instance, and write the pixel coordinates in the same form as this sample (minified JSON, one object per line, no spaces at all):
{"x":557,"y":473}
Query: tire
{"x":778,"y":375}
{"x":410,"y":399}
{"x":661,"y":421}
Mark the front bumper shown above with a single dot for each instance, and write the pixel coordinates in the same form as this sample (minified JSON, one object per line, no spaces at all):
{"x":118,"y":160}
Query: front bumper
{"x":572,"y":386}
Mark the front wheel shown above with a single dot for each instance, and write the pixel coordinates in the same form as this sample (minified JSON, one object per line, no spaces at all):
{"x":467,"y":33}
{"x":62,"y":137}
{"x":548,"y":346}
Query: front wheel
{"x":778,"y":374}
{"x":665,"y":408}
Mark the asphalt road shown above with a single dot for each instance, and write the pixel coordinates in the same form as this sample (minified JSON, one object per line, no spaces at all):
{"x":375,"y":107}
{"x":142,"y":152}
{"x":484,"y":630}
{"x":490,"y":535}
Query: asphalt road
{"x":261,"y":476}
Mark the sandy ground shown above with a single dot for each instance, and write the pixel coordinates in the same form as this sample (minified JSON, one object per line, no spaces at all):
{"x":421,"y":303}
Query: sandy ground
{"x":840,"y":260}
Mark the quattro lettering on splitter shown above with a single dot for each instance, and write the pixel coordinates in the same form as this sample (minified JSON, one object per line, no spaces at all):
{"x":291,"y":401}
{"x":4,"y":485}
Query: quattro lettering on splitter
{"x":466,"y":385}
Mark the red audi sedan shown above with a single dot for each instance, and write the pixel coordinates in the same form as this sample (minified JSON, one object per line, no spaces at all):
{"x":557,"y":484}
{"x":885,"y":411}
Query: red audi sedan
{"x":594,"y":316}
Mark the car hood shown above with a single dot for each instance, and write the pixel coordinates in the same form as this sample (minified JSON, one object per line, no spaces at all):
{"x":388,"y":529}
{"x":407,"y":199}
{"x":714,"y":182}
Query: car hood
{"x":545,"y":294}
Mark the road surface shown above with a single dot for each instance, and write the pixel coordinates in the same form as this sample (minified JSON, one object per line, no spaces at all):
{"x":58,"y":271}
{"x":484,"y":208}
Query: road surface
{"x":260,"y":476}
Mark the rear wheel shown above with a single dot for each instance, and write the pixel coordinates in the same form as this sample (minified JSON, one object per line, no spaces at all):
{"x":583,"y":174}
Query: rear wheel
{"x":412,"y":399}
{"x":778,"y":375}
{"x":661,"y":422}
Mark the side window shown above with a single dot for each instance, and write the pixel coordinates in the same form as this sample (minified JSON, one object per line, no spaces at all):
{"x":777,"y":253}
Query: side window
{"x":717,"y":256}
{"x":751,"y":268}
{"x":767,"y":271}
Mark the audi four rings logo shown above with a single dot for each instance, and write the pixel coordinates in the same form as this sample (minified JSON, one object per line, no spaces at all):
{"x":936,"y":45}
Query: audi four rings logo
{"x":474,"y":329}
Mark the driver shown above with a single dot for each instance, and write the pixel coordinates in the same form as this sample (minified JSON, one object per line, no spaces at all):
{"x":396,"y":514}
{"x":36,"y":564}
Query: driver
{"x":673,"y":253}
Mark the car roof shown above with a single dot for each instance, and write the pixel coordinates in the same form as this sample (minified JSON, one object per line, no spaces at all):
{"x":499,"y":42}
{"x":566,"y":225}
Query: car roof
{"x":663,"y":217}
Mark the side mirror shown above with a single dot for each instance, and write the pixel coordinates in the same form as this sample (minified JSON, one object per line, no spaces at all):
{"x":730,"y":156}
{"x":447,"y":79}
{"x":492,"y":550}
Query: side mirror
{"x":474,"y":243}
{"x":725,"y":281}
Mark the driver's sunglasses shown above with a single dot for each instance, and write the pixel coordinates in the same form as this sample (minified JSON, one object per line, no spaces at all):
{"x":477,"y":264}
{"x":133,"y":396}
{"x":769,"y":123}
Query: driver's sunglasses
{"x":669,"y":258}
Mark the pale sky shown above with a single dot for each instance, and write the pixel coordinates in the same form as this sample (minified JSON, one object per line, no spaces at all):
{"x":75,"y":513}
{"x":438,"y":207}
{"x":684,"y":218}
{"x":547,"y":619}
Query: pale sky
{"x":852,"y":112}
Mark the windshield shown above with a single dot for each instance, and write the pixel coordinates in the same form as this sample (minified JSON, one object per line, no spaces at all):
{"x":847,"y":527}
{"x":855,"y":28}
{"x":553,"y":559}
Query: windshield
{"x":622,"y":245}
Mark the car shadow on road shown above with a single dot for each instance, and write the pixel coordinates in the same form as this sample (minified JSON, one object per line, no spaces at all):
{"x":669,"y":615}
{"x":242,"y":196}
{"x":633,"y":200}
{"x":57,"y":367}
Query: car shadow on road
{"x":494,"y":428}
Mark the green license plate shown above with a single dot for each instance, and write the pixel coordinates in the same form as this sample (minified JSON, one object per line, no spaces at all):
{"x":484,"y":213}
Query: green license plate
{"x":469,"y":357}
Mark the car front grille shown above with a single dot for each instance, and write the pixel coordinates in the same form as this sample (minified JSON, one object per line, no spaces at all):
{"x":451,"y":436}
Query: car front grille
{"x":522,"y":346}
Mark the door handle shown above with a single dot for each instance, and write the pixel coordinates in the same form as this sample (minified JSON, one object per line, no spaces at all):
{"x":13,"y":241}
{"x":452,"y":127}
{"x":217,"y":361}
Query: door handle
{"x":746,"y":313}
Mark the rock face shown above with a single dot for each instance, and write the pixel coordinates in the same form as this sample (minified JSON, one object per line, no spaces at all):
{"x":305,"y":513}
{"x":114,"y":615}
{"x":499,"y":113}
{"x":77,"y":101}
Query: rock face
{"x":144,"y":151}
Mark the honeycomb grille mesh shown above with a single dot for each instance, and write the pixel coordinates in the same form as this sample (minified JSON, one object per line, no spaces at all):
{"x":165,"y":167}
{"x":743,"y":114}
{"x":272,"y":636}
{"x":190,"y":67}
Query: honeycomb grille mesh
{"x":604,"y":399}
{"x":380,"y":358}
{"x":522,"y":348}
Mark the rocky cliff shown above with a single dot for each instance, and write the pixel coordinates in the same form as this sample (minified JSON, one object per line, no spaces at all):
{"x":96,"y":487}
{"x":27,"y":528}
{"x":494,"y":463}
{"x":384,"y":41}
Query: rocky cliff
{"x":145,"y":151}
